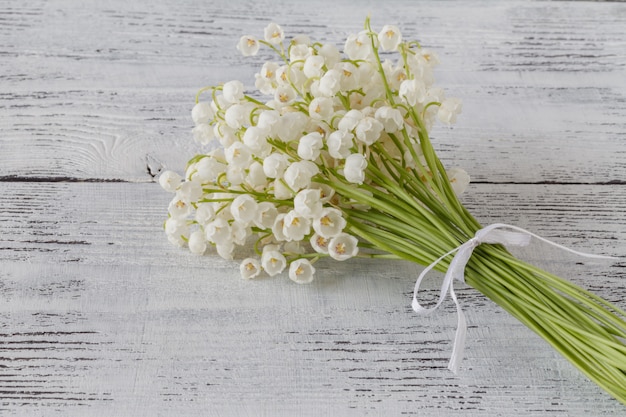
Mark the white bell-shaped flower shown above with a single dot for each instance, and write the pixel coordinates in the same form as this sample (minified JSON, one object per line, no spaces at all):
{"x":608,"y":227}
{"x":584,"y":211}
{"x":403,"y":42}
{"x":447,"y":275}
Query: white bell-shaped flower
{"x":459,"y":180}
{"x":274,"y":34}
{"x":349,"y":76}
{"x":329,"y":223}
{"x":314,"y":89}
{"x":248,"y":45}
{"x":177,"y":231}
{"x":243,"y":208}
{"x":319,"y":243}
{"x":449,"y":109}
{"x":313,"y":66}
{"x":268,"y":70}
{"x":240,"y":233}
{"x":340,"y":143}
{"x":255,"y":138}
{"x":326,"y":191}
{"x":282,"y":191}
{"x":321,"y":108}
{"x":358,"y":47}
{"x":170,"y":180}
{"x":298,"y":175}
{"x":290,"y":126}
{"x":273,"y":262}
{"x":354,"y":170}
{"x":430,"y":56}
{"x":330,"y":83}
{"x":343,"y":246}
{"x":296,"y":226}
{"x":197,"y":243}
{"x":330,"y":53}
{"x":307,"y":203}
{"x":250,"y":268}
{"x":284,"y":76}
{"x":299,"y":52}
{"x":267,"y":119}
{"x":204,"y":213}
{"x":218,"y":231}
{"x":202,"y":113}
{"x":265,"y":215}
{"x":265,"y":80}
{"x":421,"y":69}
{"x":412,"y":91}
{"x":238,"y":155}
{"x":434,"y":94}
{"x":256,"y":177}
{"x":301,"y":39}
{"x":391,"y":118}
{"x":235,"y":175}
{"x":277,"y":228}
{"x":349,"y":120}
{"x":208,"y":169}
{"x":225,"y":250}
{"x":179,"y":208}
{"x":389,"y":38}
{"x":285,"y":94}
{"x":236,"y":116}
{"x":203,"y":133}
{"x":190,"y":191}
{"x":301,"y":271}
{"x":264,"y":85}
{"x":368,"y":130}
{"x":233,"y":91}
{"x":218,"y":103}
{"x":396,"y":76}
{"x":310,"y":146}
{"x":224,"y":134}
{"x":275,"y":165}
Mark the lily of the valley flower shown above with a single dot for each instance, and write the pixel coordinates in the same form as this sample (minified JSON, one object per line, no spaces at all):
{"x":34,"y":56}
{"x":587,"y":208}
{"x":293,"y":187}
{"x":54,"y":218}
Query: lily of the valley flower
{"x":354,"y":171}
{"x":273,"y":262}
{"x":301,"y":271}
{"x":248,"y":45}
{"x":343,"y":247}
{"x":170,"y":181}
{"x":449,"y":109}
{"x":250,"y":268}
{"x":389,"y":38}
{"x":310,"y":146}
{"x":274,"y":34}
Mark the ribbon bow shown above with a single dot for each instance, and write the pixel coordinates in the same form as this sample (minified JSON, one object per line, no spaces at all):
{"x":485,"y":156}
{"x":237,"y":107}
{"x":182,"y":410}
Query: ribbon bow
{"x":456,"y":270}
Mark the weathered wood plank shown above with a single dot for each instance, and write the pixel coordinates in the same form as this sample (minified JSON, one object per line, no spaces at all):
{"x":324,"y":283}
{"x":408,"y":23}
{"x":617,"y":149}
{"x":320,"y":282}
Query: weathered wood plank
{"x":101,"y":316}
{"x":543,"y":84}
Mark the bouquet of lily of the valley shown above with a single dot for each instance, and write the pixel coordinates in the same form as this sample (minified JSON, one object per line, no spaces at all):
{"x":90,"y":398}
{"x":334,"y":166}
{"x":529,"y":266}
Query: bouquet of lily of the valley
{"x":331,"y":158}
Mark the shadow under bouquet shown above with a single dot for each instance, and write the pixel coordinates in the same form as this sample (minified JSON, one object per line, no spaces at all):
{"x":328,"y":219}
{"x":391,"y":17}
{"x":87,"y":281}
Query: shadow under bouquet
{"x":331,"y":158}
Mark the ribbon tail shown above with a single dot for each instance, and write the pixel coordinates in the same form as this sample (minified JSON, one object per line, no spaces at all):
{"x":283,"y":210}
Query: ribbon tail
{"x":459,"y":337}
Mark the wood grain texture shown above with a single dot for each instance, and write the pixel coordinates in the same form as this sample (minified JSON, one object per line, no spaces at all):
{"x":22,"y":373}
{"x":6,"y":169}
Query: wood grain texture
{"x":104,"y":89}
{"x":100,"y":316}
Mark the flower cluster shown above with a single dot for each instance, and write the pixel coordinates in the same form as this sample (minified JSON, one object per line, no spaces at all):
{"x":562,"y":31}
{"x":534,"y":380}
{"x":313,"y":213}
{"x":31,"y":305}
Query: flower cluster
{"x":291,"y":166}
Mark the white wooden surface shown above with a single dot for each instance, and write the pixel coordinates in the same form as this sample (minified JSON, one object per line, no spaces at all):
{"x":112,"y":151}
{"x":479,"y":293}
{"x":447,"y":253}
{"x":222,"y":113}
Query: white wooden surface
{"x":100,"y":316}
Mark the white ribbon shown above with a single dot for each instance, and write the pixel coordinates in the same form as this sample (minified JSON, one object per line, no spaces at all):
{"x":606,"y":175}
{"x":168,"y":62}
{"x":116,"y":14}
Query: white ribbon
{"x":456,"y":270}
